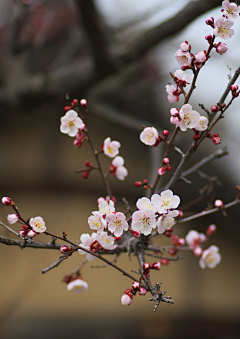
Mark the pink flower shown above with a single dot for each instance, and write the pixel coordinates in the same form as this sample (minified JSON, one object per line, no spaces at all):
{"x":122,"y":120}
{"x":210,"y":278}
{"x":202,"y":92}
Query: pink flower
{"x":183,"y":58}
{"x":193,"y":238}
{"x":149,"y":136}
{"x":6,"y":201}
{"x":126,"y":300}
{"x":221,"y":48}
{"x":230,"y":10}
{"x":38,"y":224}
{"x":201,"y":56}
{"x":184,"y":76}
{"x":202,"y":125}
{"x":117,"y":223}
{"x":12,"y":218}
{"x":185,"y":46}
{"x":119,"y":170}
{"x":189,"y":117}
{"x":222,"y":28}
{"x":144,"y":221}
{"x":110,"y":148}
{"x":210,"y":257}
{"x":172,"y":93}
{"x":175,"y":121}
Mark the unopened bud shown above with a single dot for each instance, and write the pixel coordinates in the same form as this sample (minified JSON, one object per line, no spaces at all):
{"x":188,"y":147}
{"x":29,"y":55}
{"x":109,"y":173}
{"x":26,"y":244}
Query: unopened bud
{"x":77,"y":143}
{"x":75,"y":102}
{"x":156,"y":265}
{"x":198,"y":251}
{"x":12,"y":218}
{"x":146,"y":266}
{"x":88,"y":163}
{"x":31,"y":234}
{"x":210,"y":21}
{"x":216,"y":140}
{"x":142,"y":291}
{"x":64,"y":249}
{"x":214,"y":108}
{"x":85,"y":174}
{"x":161,"y":171}
{"x":126,"y":300}
{"x":166,"y":161}
{"x":164,"y":261}
{"x":165,"y":133}
{"x":67,"y":108}
{"x":138,"y":183}
{"x":83,"y":102}
{"x":218,"y":203}
{"x":23,"y":233}
{"x":211,"y":229}
{"x":6,"y":201}
{"x":181,"y":242}
{"x":136,"y":285}
{"x":234,"y":88}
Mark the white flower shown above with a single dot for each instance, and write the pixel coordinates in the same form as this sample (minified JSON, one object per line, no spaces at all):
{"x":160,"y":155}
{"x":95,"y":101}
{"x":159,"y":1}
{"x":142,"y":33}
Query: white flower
{"x":117,"y":223}
{"x":201,"y":57}
{"x":70,"y":123}
{"x":210,"y":257}
{"x":145,"y":203}
{"x":230,"y":10}
{"x":106,"y":207}
{"x":12,"y":218}
{"x":110,"y":148}
{"x":149,"y":136}
{"x":96,"y":222}
{"x":143,"y":221}
{"x":202,"y":125}
{"x":222,"y":28}
{"x":119,"y":170}
{"x":189,"y":117}
{"x":184,"y":46}
{"x":193,"y":238}
{"x":166,"y":221}
{"x":172,"y":93}
{"x":106,"y":241}
{"x":77,"y":285}
{"x":184,"y":75}
{"x":183,"y":58}
{"x":165,"y":201}
{"x":86,"y":241}
{"x":38,"y":224}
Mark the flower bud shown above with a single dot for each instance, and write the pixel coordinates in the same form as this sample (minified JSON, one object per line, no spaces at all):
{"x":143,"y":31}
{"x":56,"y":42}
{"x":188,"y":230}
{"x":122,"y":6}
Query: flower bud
{"x":138,"y":184}
{"x":136,"y":285}
{"x":233,"y":88}
{"x":144,"y":181}
{"x":214,"y":108}
{"x":146,"y":266}
{"x":164,"y":261}
{"x":198,"y":251}
{"x":88,"y":163}
{"x":181,"y":242}
{"x":221,"y":48}
{"x":216,"y":140}
{"x":126,"y":300}
{"x":23,"y":233}
{"x":210,"y":21}
{"x":218,"y":203}
{"x":67,"y":108}
{"x":85,"y":174}
{"x":77,"y":143}
{"x":168,"y":168}
{"x":174,"y":239}
{"x":211,"y":229}
{"x":165,"y":133}
{"x":12,"y":218}
{"x":75,"y":102}
{"x":161,"y":171}
{"x":166,"y":161}
{"x":201,"y":56}
{"x":142,"y":291}
{"x":6,"y":201}
{"x":64,"y":249}
{"x":31,"y":234}
{"x":136,"y":234}
{"x":208,"y":38}
{"x":156,"y":265}
{"x":83,"y":102}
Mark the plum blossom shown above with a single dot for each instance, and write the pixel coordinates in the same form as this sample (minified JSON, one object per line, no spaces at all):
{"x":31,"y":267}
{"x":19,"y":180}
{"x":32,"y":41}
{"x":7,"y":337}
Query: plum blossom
{"x":70,"y":123}
{"x":86,"y":241}
{"x":222,"y":28}
{"x":149,"y":136}
{"x":193,"y":238}
{"x":144,"y":221}
{"x":166,"y":221}
{"x":202,"y":125}
{"x":118,"y":169}
{"x":184,"y":76}
{"x":210,"y":257}
{"x":110,"y":148}
{"x":230,"y":10}
{"x":165,"y":201}
{"x":183,"y":57}
{"x":117,"y":223}
{"x":38,"y":224}
{"x":221,"y":48}
{"x":145,"y":203}
{"x":12,"y":218}
{"x":106,"y":207}
{"x":184,"y":46}
{"x":172,"y":93}
{"x":189,"y":117}
{"x":77,"y":286}
{"x":96,"y":222}
{"x":201,"y":56}
{"x":106,"y":241}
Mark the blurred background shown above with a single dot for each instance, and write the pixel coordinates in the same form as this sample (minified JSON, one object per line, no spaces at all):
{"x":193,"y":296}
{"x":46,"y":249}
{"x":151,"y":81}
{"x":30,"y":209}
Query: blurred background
{"x":117,"y":54}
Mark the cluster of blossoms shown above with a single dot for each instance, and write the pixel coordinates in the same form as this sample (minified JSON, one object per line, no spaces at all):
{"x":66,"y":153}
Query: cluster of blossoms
{"x":209,"y":257}
{"x":29,"y":229}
